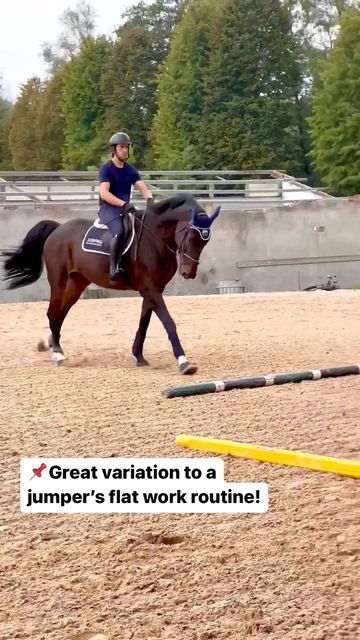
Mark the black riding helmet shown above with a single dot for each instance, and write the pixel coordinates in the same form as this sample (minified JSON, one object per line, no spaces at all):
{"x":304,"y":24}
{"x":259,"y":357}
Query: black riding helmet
{"x":119,"y":138}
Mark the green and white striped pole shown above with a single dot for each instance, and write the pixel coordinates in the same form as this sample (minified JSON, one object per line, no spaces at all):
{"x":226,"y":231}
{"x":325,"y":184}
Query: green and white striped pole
{"x":260,"y":381}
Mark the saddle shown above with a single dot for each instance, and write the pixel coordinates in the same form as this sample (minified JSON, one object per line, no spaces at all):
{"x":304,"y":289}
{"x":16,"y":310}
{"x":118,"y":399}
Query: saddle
{"x":97,"y":238}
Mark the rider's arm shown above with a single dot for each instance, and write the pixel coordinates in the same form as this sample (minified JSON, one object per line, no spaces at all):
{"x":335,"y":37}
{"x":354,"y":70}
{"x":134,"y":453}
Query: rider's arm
{"x":145,"y":192}
{"x":109,"y":197}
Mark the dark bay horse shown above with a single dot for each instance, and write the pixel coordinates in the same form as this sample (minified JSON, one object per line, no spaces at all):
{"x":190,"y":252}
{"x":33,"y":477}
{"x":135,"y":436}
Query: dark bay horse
{"x":168,"y":229}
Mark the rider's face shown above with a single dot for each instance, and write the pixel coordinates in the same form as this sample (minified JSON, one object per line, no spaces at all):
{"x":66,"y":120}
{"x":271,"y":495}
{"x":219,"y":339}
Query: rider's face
{"x":122,"y":151}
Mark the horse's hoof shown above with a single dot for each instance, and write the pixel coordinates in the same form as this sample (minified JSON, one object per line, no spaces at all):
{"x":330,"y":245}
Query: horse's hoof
{"x":58,"y":357}
{"x":186,"y":368}
{"x":43,"y":345}
{"x":140,"y":361}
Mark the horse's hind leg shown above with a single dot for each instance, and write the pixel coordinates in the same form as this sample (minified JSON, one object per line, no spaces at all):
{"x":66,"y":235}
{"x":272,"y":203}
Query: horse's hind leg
{"x":61,"y":301}
{"x":137,"y":349}
{"x":57,"y":283}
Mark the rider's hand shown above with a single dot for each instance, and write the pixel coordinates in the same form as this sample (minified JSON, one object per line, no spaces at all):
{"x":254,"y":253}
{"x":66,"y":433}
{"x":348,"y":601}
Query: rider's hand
{"x":128,"y":208}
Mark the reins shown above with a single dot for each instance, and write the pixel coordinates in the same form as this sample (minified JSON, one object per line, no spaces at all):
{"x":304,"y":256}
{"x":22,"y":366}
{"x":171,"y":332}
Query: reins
{"x":174,"y":251}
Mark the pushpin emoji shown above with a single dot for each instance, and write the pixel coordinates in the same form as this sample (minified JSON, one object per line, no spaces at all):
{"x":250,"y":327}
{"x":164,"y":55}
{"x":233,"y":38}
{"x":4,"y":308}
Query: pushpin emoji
{"x":38,"y":472}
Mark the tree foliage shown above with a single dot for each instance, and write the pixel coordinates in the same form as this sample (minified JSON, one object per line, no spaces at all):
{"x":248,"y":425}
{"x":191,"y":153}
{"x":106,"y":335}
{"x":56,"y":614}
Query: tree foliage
{"x":335,"y":119}
{"x":197,"y":84}
{"x":23,"y":128}
{"x":129,"y":80}
{"x":5,"y":110}
{"x":252,"y":87}
{"x":181,"y":88}
{"x":316,"y":24}
{"x":82,"y":105}
{"x":50,"y":124}
{"x":229,"y":90}
{"x":317,"y":21}
{"x":127,"y":87}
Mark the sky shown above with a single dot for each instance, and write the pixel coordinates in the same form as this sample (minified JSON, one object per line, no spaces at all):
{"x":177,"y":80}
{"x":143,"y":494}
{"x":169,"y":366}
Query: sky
{"x":26,"y":24}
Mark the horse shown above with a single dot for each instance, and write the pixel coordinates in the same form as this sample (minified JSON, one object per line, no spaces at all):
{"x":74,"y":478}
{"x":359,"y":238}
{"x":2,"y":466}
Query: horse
{"x":167,"y":235}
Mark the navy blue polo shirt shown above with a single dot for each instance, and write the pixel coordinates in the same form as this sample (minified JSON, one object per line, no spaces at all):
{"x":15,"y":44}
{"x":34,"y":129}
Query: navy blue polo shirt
{"x":120,"y":180}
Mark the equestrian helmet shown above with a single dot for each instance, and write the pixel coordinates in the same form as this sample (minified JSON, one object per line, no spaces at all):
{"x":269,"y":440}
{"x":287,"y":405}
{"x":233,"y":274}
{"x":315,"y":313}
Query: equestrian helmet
{"x":119,"y":138}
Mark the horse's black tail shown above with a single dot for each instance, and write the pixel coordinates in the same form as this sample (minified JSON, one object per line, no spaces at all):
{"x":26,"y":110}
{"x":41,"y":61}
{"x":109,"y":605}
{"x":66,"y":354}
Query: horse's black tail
{"x":24,"y":265}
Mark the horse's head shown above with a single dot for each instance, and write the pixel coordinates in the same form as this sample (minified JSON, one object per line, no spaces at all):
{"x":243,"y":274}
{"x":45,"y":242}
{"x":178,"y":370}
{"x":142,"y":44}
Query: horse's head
{"x":192,"y":240}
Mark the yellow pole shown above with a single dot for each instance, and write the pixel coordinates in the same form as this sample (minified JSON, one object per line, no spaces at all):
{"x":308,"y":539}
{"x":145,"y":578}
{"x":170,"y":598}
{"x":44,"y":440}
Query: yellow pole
{"x":278,"y":456}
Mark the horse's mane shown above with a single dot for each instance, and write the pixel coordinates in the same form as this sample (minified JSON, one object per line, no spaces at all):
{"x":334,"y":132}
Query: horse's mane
{"x":180,"y":201}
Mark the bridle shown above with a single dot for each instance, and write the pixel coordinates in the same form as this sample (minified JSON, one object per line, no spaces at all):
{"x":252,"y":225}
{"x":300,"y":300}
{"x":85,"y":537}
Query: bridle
{"x":204,"y":234}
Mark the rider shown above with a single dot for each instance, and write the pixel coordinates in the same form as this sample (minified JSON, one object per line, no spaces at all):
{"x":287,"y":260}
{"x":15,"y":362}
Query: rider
{"x":116,"y":178}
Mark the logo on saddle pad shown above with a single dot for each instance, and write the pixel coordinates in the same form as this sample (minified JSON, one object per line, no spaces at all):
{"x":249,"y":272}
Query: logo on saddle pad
{"x":97,"y":238}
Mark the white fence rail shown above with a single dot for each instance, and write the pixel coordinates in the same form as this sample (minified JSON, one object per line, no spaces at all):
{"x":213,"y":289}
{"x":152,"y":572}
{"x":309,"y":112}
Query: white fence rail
{"x":230,"y":186}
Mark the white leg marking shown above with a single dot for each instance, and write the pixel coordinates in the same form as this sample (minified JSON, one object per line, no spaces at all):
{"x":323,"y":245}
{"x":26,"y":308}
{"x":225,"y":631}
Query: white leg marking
{"x":57,"y":357}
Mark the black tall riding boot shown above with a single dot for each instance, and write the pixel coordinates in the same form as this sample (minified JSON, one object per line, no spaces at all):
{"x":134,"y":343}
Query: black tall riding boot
{"x":116,"y":246}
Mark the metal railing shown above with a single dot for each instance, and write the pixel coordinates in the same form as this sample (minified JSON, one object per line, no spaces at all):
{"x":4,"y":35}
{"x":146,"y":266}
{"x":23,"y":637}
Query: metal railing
{"x":83,"y":186}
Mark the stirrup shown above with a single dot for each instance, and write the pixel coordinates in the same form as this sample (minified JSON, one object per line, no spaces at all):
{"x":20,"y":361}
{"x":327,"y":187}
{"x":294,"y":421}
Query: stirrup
{"x":115,"y":275}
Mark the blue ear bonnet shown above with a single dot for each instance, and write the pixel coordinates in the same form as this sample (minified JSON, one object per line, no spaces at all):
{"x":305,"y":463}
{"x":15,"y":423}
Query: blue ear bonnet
{"x":202,"y":222}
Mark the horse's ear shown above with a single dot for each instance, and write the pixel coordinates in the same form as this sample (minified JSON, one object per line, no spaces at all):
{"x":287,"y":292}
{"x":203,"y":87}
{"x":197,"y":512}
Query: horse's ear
{"x":194,"y":218}
{"x":215,"y":214}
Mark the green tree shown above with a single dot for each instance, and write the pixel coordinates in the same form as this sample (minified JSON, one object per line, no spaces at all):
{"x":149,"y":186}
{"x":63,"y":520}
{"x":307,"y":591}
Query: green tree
{"x":23,"y":128}
{"x":83,"y":107}
{"x":335,"y":121}
{"x":252,"y":116}
{"x":316,"y":24}
{"x":5,"y":110}
{"x":51,"y":124}
{"x":181,"y":88}
{"x":129,"y":81}
{"x":5,"y":156}
{"x":127,"y":89}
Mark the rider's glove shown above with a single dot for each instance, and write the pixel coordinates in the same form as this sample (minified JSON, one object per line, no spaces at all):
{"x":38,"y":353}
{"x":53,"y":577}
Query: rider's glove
{"x":128,"y":208}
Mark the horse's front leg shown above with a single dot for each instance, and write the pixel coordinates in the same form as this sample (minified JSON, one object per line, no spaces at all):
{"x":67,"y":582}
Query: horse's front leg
{"x":163,"y":314}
